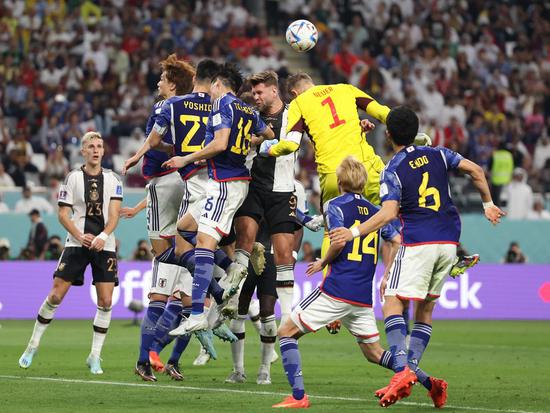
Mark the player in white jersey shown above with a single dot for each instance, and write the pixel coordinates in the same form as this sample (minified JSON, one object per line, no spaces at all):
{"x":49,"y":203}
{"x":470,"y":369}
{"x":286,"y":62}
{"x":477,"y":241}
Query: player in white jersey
{"x":94,"y":196}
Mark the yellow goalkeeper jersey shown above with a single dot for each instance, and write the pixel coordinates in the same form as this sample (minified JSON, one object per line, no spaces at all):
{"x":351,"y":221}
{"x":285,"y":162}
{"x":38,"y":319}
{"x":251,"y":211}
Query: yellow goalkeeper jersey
{"x":328,"y":114}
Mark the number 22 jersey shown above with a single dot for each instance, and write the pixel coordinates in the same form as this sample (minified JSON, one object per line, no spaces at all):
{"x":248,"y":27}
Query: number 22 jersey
{"x":417,"y":177}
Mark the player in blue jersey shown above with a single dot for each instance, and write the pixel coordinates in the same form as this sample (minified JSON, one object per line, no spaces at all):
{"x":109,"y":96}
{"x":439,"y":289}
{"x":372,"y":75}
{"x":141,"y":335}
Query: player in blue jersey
{"x":415,"y":186}
{"x":182,"y":118}
{"x":231,"y":124}
{"x":165,"y":191}
{"x":347,"y":291}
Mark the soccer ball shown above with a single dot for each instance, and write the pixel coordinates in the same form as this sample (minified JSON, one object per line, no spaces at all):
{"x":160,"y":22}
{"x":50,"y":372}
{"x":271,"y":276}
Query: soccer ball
{"x":301,"y":35}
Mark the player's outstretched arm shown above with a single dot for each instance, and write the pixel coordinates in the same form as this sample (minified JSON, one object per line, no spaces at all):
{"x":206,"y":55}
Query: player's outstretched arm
{"x":385,"y":215}
{"x":114,"y":212}
{"x":153,"y":141}
{"x":130,"y":212}
{"x":492,"y":212}
{"x":333,"y":251}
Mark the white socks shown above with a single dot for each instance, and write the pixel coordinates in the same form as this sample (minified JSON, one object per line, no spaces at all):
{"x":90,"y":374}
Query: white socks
{"x":237,"y":348}
{"x":101,"y":325}
{"x":45,"y":316}
{"x":268,"y":336}
{"x":285,"y":289}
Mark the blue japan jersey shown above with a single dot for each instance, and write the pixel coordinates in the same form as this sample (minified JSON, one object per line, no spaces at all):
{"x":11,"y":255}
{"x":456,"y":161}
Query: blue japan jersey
{"x":350,"y":275}
{"x":153,"y":159}
{"x":417,"y":177}
{"x":229,"y":112}
{"x":184,"y":118}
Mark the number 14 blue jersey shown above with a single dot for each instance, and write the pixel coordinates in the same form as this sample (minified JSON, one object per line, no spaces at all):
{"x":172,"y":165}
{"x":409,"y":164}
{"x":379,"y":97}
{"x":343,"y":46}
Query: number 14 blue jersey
{"x":417,"y":177}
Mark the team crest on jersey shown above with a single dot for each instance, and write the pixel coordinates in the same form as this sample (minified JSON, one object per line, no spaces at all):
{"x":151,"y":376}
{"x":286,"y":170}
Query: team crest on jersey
{"x":94,"y":194}
{"x":162,"y":282}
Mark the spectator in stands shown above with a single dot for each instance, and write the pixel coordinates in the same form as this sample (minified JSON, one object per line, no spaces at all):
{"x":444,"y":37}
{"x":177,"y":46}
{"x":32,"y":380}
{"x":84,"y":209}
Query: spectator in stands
{"x":52,"y":249}
{"x":501,"y":166}
{"x":519,"y":196}
{"x":30,"y":202}
{"x":38,"y":236}
{"x":5,"y":179}
{"x":308,"y":253}
{"x":514,"y":255}
{"x":4,"y":208}
{"x":142,"y":251}
{"x":57,"y":165}
{"x":538,"y":212}
{"x":4,"y":249}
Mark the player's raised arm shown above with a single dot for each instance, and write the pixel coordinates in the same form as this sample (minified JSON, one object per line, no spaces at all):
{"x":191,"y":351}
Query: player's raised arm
{"x":153,"y":141}
{"x":295,"y":130}
{"x":492,"y":212}
{"x":130,"y":212}
{"x":369,"y":104}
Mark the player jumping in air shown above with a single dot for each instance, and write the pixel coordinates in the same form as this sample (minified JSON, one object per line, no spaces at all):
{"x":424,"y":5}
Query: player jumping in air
{"x":415,"y":186}
{"x":346,"y":292}
{"x":93,"y":195}
{"x":231,"y":124}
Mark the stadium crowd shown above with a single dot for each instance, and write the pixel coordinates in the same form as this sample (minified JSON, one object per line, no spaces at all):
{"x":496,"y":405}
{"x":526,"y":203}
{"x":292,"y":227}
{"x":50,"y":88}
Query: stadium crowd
{"x":477,"y":72}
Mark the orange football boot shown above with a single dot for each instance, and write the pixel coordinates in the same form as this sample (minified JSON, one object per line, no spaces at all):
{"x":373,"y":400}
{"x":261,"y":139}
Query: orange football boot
{"x":438,"y":393}
{"x":400,"y":381}
{"x":291,"y":403}
{"x":156,"y":362}
{"x":406,"y":392}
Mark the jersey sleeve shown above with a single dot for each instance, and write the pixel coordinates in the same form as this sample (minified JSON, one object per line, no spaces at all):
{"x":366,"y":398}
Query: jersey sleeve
{"x":163,"y":118}
{"x":335,"y":216}
{"x":222,"y":117}
{"x":259,"y":125}
{"x":388,"y":232}
{"x":66,"y":192}
{"x":452,"y":158}
{"x":116,"y":188}
{"x":369,"y":104}
{"x":390,"y":186}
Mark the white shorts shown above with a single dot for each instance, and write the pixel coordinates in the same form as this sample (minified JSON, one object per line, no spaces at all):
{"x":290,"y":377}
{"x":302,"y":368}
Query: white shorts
{"x":223,"y":199}
{"x":194,"y":194}
{"x":419,"y":271}
{"x":168,"y":279}
{"x":164,"y":194}
{"x":318,"y":309}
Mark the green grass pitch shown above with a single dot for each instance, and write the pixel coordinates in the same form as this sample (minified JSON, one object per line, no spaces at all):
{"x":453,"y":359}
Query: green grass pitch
{"x":491,"y":366}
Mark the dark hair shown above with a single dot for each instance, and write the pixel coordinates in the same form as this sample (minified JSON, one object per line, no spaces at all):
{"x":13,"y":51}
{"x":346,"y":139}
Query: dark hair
{"x":402,"y":124}
{"x":230,"y":76}
{"x":207,"y":69}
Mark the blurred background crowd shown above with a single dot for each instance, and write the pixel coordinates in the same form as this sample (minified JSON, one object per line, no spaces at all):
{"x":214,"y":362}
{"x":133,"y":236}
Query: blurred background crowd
{"x":476,"y":71}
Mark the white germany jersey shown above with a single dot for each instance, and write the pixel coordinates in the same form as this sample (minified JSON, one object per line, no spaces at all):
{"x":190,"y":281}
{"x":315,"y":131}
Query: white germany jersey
{"x":89,"y":196}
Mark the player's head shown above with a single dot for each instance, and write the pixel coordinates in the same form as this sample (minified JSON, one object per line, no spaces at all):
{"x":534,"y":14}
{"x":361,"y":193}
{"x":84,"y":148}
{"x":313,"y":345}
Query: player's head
{"x":298,"y":84}
{"x":248,"y":98}
{"x":402,"y":125}
{"x":265,"y":89}
{"x":91,"y":148}
{"x":351,"y":176}
{"x":228,"y":79}
{"x":207,"y":69}
{"x":176,"y":77}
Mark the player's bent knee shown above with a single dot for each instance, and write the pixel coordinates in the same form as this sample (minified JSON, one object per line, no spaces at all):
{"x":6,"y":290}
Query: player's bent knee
{"x":158,"y":297}
{"x":104,"y":302}
{"x":54,"y":299}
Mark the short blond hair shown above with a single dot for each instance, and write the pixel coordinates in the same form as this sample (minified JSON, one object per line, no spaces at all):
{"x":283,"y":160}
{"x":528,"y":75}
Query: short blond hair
{"x":294,"y":80}
{"x":88,"y":136}
{"x":351,"y":175}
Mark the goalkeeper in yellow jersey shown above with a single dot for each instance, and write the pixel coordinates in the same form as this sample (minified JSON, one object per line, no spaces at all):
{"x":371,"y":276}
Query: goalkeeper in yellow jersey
{"x":328,"y":113}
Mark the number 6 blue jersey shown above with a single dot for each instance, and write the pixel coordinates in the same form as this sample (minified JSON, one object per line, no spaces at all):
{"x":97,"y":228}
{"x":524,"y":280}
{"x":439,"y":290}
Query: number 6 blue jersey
{"x":417,"y":177}
{"x":185,"y":117}
{"x":243,"y":120}
{"x":350,"y":274}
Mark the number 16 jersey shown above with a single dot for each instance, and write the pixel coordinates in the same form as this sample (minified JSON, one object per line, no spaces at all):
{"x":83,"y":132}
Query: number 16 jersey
{"x":417,"y":177}
{"x":242,"y":120}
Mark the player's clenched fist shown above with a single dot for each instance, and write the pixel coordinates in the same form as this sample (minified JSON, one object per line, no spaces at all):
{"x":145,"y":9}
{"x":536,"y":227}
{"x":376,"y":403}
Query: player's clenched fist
{"x":176,"y":162}
{"x":340,"y":235}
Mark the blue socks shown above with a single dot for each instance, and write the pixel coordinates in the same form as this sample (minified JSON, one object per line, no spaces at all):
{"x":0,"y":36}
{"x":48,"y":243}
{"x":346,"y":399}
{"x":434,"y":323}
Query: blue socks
{"x":293,"y":366}
{"x":170,"y":319}
{"x":222,"y":260}
{"x":186,"y":260}
{"x":204,"y":270}
{"x":420,"y":338}
{"x":189,"y":236}
{"x":216,"y":291}
{"x":396,"y":331}
{"x":181,"y":341}
{"x":386,"y":360}
{"x":148,"y":324}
